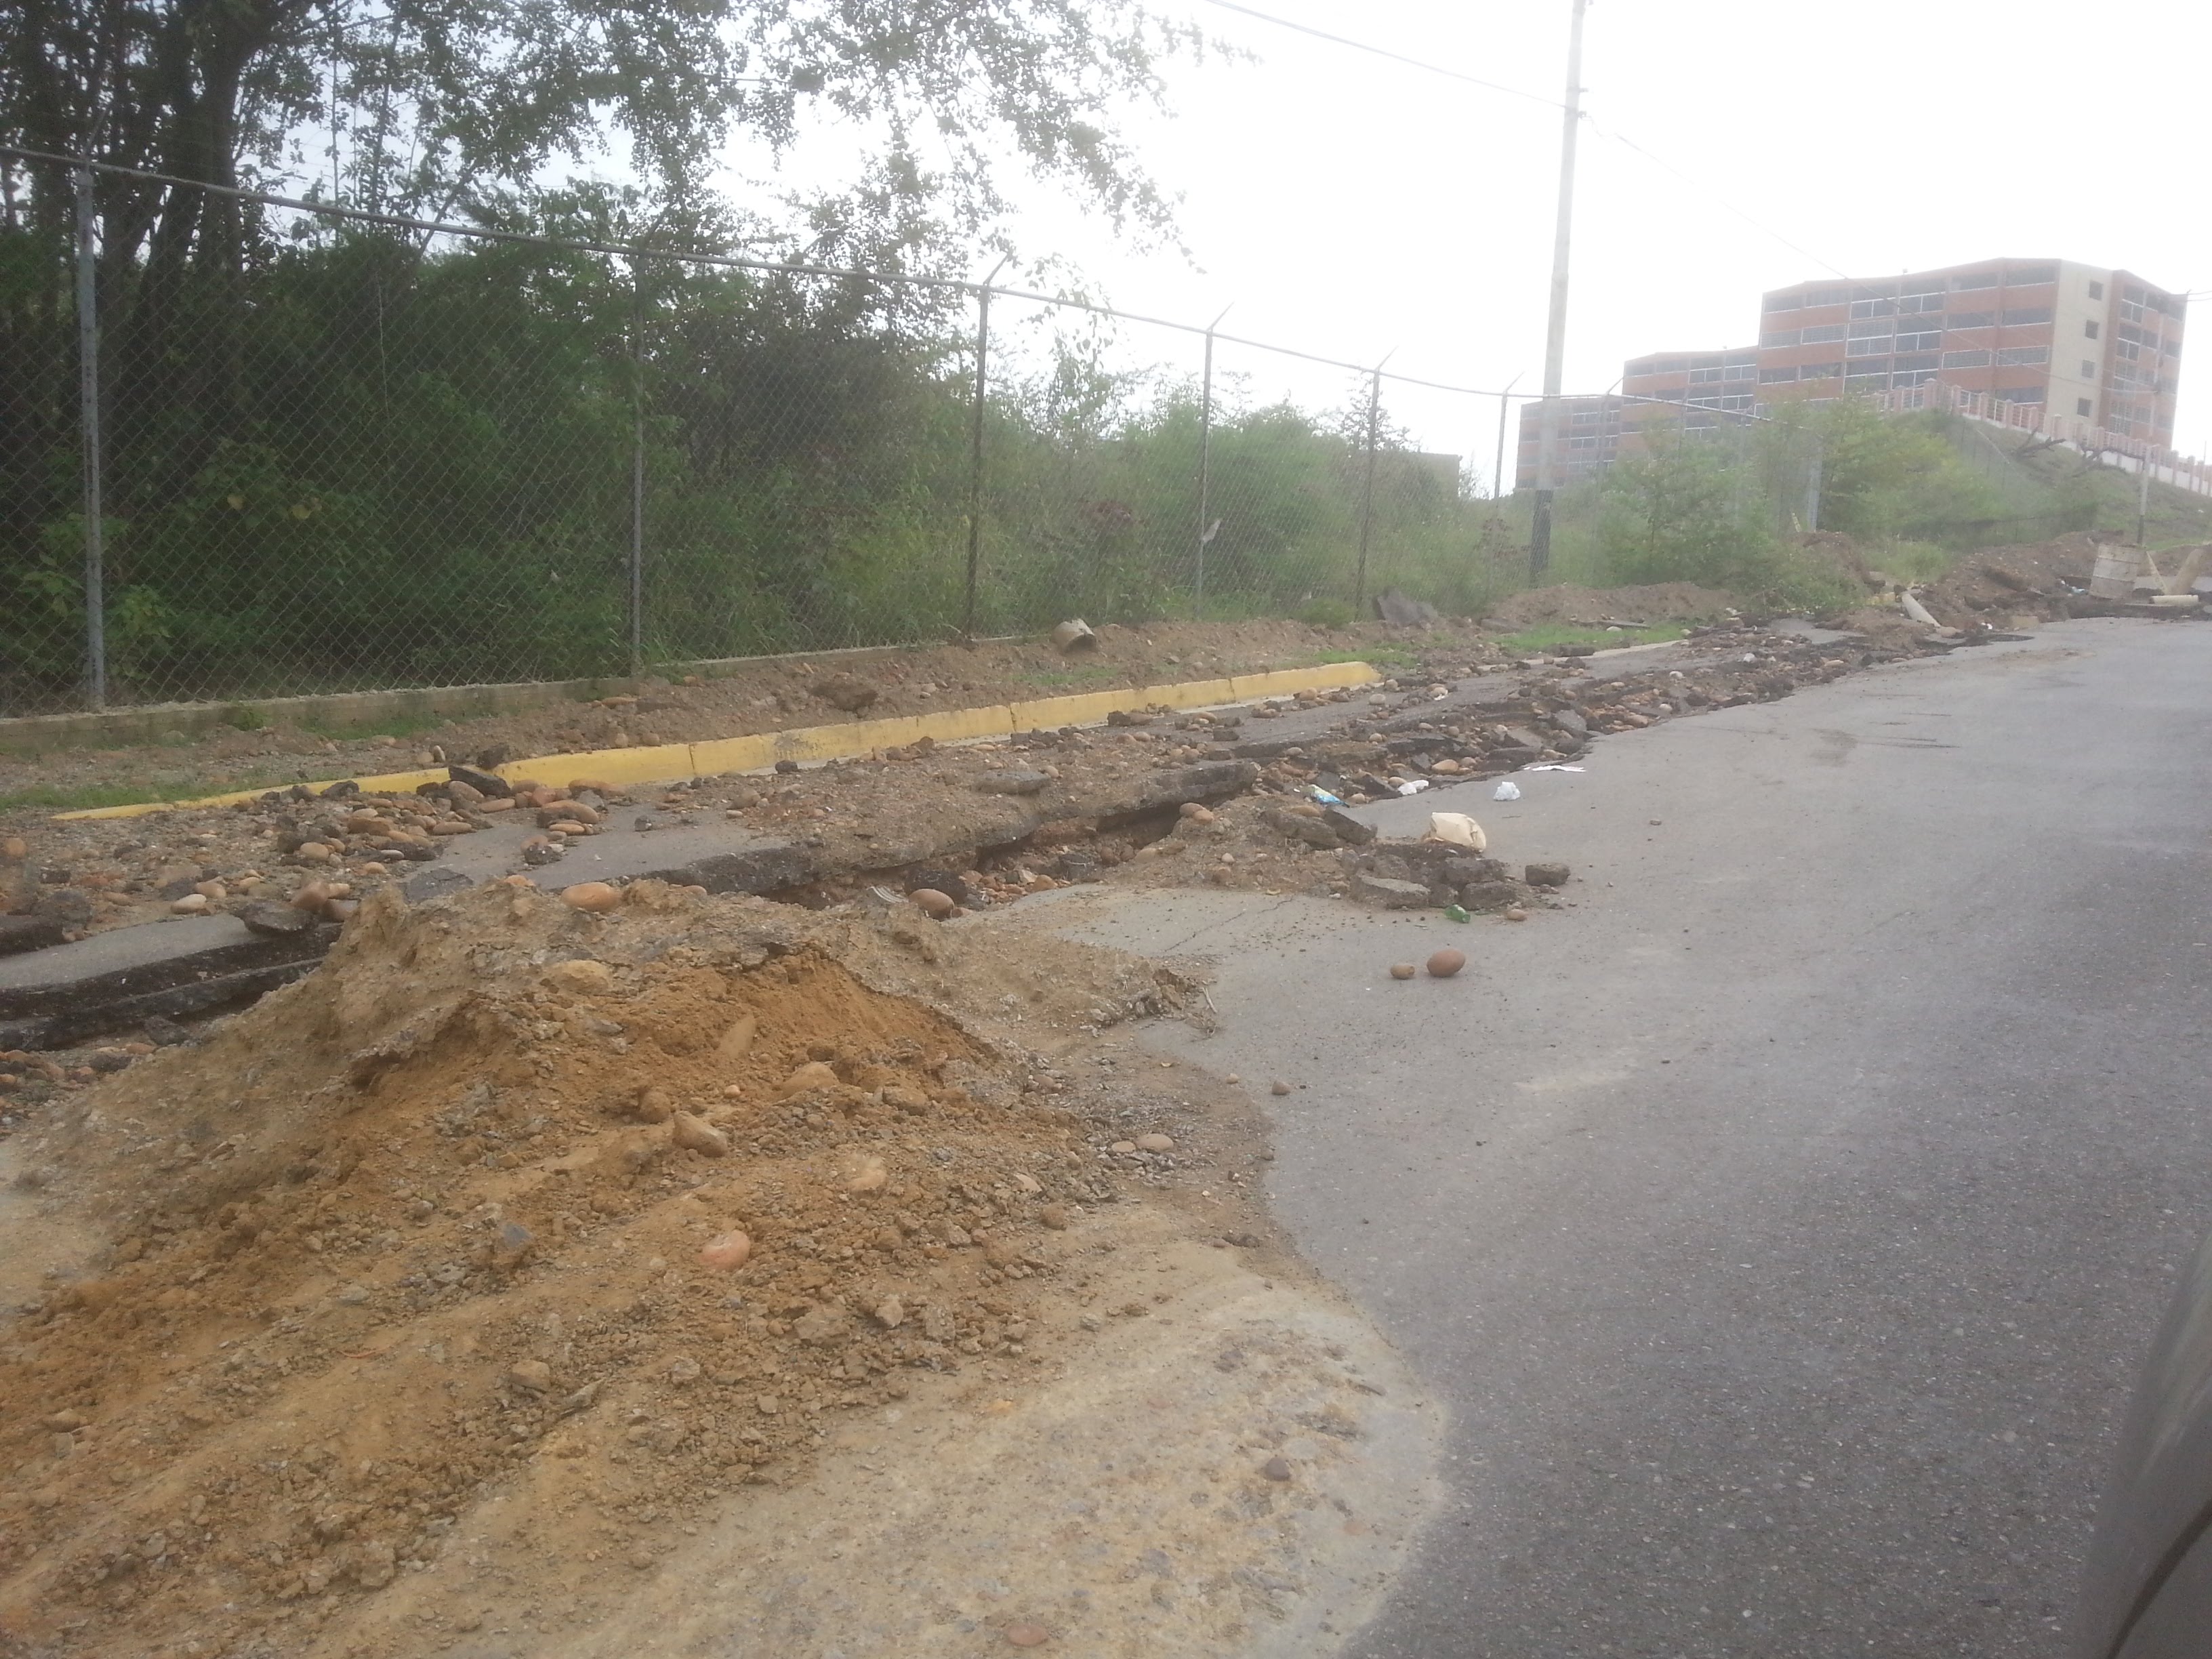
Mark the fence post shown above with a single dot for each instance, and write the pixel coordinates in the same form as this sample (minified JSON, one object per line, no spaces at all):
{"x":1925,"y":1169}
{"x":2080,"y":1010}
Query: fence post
{"x":87,"y":337}
{"x":976,"y":450}
{"x":1813,"y":487}
{"x":637,"y":469}
{"x":1206,"y":527}
{"x":1367,"y":489}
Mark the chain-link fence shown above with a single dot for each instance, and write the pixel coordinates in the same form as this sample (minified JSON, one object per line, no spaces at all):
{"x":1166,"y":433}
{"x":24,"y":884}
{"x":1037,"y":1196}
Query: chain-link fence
{"x":345,"y":450}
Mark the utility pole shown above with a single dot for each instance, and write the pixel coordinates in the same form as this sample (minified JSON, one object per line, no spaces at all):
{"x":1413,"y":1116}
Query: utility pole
{"x":1498,"y":473}
{"x":1555,"y":335}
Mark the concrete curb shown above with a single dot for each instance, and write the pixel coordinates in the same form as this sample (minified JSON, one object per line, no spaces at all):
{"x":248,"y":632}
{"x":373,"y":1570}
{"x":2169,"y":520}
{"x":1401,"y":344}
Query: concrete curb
{"x":665,"y":762}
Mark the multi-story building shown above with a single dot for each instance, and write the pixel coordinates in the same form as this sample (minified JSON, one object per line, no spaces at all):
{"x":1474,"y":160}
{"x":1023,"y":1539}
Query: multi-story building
{"x":2085,"y":343}
{"x":2072,"y":350}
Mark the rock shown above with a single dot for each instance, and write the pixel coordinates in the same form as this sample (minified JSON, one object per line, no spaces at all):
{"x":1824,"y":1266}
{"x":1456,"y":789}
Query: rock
{"x":1195,"y":812}
{"x":932,"y":902}
{"x":695,"y":1134}
{"x":736,"y":1041}
{"x":1025,"y":1634}
{"x":1279,"y":1088}
{"x":1443,"y":964}
{"x":584,"y":977}
{"x":486,"y":782}
{"x":815,"y":1074}
{"x":824,"y":1326}
{"x":15,"y":850}
{"x":1352,"y":832}
{"x":726,"y":1253}
{"x":1276,"y":1468}
{"x":1386,"y":894}
{"x":845,"y":692}
{"x":1517,"y":915}
{"x":511,"y":1246}
{"x":314,"y":852}
{"x":890,"y":1313}
{"x":1392,"y":606}
{"x":29,"y":933}
{"x":652,"y":1105}
{"x":192,"y":904}
{"x":1569,"y":721}
{"x":1012,"y":782}
{"x":1124,"y":1147}
{"x":1489,"y":894}
{"x":596,"y":897}
{"x":864,"y":1173}
{"x":1545,"y":875}
{"x":1054,"y":1216}
{"x":534,"y":1374}
{"x":1154,"y":1142}
{"x":1402,"y":970}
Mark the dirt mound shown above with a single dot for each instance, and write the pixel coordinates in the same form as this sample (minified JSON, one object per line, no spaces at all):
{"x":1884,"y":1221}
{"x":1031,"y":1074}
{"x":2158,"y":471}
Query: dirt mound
{"x":2015,"y":586}
{"x":1590,"y":607}
{"x":409,"y":1227}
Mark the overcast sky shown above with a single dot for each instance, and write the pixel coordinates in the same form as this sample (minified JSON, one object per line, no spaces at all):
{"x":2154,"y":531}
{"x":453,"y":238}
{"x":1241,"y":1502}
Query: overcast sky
{"x":1357,"y":207}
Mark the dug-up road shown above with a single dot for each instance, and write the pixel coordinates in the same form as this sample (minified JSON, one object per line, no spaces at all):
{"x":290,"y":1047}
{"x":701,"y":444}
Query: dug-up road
{"x":1781,"y":1226}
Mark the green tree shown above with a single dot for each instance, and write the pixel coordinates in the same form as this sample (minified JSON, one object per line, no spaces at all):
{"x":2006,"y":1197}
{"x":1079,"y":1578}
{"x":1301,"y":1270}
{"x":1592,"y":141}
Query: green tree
{"x":1672,"y":514}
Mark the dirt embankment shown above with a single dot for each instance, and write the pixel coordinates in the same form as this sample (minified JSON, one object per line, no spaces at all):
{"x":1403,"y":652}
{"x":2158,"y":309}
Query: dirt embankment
{"x":735,"y":700}
{"x":409,"y":1309}
{"x":1568,"y":604}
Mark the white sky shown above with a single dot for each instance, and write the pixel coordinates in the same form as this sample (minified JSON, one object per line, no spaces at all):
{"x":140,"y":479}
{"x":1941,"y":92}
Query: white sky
{"x":1354,"y":207}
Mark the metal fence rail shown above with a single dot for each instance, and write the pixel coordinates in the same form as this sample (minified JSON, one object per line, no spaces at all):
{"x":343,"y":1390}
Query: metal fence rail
{"x":389,"y":453}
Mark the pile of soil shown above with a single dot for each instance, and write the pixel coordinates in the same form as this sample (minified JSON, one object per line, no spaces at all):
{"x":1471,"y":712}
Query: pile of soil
{"x":2015,"y":587}
{"x":1595,"y":607}
{"x":424,"y":1221}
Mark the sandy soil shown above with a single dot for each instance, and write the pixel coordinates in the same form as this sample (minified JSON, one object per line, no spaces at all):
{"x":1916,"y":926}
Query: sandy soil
{"x":382,"y":1313}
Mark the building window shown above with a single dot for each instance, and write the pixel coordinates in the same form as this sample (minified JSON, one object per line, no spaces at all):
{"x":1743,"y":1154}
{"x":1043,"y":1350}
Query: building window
{"x":1874,"y":308}
{"x":1819,"y":334}
{"x":2028,"y":274}
{"x":1787,"y":301}
{"x":1913,"y":377}
{"x":1966,"y":360}
{"x":1918,"y":342}
{"x":1972,"y":319}
{"x":1868,"y":348}
{"x":2028,"y":314}
{"x":2088,"y":369}
{"x":1879,"y":329}
{"x":1774,"y":376}
{"x":1698,"y":375}
{"x":1974,"y":279}
{"x":2020,"y":394}
{"x":1926,"y":359}
{"x":2023,"y":357}
{"x":1742,"y":372}
{"x":2089,"y":329}
{"x":1787,"y":336}
{"x":1826,"y":296}
{"x":1819,"y":371}
{"x":2096,"y":292}
{"x":2081,"y":405}
{"x":1912,"y":302}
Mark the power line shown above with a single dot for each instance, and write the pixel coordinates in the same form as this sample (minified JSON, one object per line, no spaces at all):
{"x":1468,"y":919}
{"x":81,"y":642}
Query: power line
{"x":1384,"y":51}
{"x":1622,"y":139}
{"x":1627,"y":143}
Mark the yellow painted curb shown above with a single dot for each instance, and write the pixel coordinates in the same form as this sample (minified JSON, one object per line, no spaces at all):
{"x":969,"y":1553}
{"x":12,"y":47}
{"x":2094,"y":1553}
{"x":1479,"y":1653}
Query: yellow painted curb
{"x":663,"y":762}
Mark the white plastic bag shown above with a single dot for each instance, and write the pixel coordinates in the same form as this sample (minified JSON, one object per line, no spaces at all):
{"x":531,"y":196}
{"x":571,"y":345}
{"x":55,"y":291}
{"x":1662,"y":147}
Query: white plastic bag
{"x":1506,"y":790}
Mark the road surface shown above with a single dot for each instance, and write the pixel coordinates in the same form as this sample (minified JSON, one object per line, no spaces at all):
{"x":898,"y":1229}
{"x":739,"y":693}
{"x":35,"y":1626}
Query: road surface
{"x":1783,"y":1224}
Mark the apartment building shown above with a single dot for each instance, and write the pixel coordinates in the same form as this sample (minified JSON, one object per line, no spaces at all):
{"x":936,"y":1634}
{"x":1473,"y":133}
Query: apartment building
{"x":2071,"y":349}
{"x":2084,"y":342}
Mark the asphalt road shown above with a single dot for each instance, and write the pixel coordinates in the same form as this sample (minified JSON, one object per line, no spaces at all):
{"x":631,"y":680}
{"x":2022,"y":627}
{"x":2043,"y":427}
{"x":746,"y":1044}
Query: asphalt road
{"x":1783,"y":1224}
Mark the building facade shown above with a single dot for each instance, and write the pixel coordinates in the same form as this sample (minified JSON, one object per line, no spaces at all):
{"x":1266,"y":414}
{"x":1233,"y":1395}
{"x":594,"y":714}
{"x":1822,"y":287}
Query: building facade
{"x":2077,"y":351}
